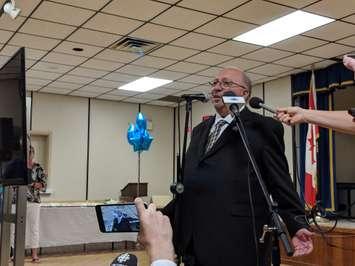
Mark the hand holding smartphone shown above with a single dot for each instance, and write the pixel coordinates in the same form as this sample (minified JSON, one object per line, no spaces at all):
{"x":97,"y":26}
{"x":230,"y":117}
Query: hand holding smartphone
{"x":117,"y":218}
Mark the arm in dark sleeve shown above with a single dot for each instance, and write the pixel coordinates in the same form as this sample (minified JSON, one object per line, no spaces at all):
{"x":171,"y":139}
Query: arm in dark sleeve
{"x":277,"y":175}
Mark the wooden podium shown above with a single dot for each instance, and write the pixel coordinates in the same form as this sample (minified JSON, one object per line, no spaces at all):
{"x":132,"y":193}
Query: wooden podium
{"x":130,"y":191}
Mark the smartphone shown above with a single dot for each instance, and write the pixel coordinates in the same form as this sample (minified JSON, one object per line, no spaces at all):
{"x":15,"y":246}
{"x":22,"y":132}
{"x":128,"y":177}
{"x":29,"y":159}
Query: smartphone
{"x":351,"y":111}
{"x":117,"y":218}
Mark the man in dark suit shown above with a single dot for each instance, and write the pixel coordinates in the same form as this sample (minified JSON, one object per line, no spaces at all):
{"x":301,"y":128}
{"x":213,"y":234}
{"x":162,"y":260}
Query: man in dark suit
{"x":216,"y":221}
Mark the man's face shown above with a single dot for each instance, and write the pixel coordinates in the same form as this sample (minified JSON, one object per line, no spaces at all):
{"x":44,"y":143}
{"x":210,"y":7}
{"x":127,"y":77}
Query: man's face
{"x":227,"y":80}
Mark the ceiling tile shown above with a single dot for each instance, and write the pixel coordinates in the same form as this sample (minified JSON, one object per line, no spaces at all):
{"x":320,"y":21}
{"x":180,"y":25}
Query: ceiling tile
{"x":234,"y":48}
{"x":254,"y":77}
{"x":5,"y":36}
{"x":87,"y":72}
{"x":163,"y":103}
{"x":182,"y":18}
{"x":31,"y":41}
{"x":267,"y":55}
{"x":107,"y":83}
{"x":7,"y":23}
{"x":270,"y":69}
{"x":209,"y":58}
{"x":62,"y":13}
{"x":155,"y":62}
{"x":186,"y":67}
{"x":136,"y":70}
{"x":298,"y":44}
{"x":29,"y":53}
{"x":329,"y":50}
{"x":210,"y":72}
{"x":224,"y":27}
{"x":42,"y":74}
{"x":295,"y":3}
{"x":86,"y":94}
{"x":331,"y":8}
{"x":321,"y":64}
{"x":215,"y":7}
{"x":171,"y":75}
{"x":350,"y":19}
{"x":36,"y":81}
{"x":259,"y":12}
{"x":76,"y":79}
{"x":64,"y":59}
{"x":112,"y":24}
{"x":65,"y":85}
{"x":67,"y":48}
{"x":196,"y":79}
{"x":111,"y":97}
{"x":117,"y":56}
{"x":55,"y":90}
{"x":123,"y":93}
{"x":46,"y":29}
{"x":3,"y":60}
{"x":298,"y":60}
{"x":93,"y":37}
{"x":90,"y":4}
{"x":29,"y":63}
{"x":102,"y":64}
{"x":332,"y":31}
{"x":179,"y":93}
{"x":115,"y":76}
{"x":157,"y":33}
{"x":243,"y":64}
{"x":135,"y":100}
{"x":177,"y":85}
{"x":52,"y":67}
{"x":149,"y":95}
{"x":95,"y":89}
{"x":349,"y":41}
{"x":26,"y":6}
{"x":201,"y":89}
{"x":197,"y":41}
{"x":32,"y":88}
{"x":174,"y":52}
{"x":163,"y":91}
{"x":138,"y":9}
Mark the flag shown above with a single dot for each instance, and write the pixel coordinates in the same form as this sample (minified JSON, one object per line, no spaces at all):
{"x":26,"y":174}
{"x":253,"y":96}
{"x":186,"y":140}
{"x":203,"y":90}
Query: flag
{"x":311,"y":151}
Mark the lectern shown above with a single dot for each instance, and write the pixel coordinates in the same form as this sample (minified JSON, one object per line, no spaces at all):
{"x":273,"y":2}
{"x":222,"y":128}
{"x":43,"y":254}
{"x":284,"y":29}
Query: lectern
{"x":133,"y":190}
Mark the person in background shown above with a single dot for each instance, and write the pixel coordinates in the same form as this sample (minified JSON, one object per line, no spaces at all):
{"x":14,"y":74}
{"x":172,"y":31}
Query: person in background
{"x":39,"y":181}
{"x":156,"y":234}
{"x":340,"y":121}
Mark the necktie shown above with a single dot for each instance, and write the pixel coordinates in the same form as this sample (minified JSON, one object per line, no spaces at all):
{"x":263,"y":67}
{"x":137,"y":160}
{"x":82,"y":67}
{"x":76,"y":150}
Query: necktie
{"x":213,"y":136}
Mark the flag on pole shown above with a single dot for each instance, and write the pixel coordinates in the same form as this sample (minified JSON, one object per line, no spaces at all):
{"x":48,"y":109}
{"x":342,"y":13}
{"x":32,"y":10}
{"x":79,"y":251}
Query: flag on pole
{"x":310,"y":183}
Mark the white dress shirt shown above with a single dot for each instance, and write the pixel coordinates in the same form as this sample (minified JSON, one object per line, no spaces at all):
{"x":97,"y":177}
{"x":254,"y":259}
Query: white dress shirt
{"x":163,"y":263}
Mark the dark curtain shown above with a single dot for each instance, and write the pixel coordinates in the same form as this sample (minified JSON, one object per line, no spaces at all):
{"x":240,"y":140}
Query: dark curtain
{"x":327,"y":80}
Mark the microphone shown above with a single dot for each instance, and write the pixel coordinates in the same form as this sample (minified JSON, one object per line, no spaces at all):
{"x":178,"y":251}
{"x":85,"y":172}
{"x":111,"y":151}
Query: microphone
{"x":232,"y":101}
{"x":258,"y":103}
{"x":125,"y":259}
{"x":202,"y":97}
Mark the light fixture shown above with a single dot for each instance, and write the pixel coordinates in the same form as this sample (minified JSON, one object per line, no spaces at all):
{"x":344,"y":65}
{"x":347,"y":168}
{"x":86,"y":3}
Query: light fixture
{"x":144,"y":84}
{"x":283,"y":28}
{"x":9,"y":8}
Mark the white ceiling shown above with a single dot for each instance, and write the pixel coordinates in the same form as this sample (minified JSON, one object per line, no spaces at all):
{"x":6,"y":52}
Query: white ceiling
{"x":194,"y":37}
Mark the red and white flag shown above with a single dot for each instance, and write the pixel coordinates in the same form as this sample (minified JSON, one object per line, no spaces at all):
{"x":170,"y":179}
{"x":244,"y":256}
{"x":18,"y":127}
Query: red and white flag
{"x":311,"y":185}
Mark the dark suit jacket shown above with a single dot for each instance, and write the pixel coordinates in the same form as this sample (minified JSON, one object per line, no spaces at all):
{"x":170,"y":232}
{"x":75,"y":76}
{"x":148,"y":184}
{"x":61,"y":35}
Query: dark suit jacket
{"x":215,"y":208}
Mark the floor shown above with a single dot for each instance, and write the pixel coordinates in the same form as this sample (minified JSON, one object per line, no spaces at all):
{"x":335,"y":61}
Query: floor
{"x":91,"y":259}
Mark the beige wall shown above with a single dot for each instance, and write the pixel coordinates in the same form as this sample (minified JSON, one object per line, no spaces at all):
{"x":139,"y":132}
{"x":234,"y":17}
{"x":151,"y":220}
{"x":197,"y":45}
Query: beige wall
{"x":66,"y":118}
{"x":112,"y":162}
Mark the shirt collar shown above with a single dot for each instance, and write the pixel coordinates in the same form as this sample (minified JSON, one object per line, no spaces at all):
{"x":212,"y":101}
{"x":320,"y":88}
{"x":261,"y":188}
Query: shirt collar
{"x":229,"y":118}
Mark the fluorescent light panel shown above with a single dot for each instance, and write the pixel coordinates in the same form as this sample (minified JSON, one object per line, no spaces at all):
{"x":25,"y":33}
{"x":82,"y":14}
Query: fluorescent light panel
{"x":144,"y":84}
{"x":283,"y":28}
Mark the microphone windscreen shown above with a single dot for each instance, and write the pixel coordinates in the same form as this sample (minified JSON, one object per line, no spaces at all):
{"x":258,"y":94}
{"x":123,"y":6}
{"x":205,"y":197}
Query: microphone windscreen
{"x":255,"y":102}
{"x":127,"y":259}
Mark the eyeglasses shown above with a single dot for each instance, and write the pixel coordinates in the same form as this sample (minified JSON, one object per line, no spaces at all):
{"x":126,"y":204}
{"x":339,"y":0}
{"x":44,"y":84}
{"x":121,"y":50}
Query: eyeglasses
{"x":225,"y":84}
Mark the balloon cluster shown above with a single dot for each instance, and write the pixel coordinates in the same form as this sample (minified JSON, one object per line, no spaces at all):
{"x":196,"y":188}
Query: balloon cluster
{"x":138,"y":136}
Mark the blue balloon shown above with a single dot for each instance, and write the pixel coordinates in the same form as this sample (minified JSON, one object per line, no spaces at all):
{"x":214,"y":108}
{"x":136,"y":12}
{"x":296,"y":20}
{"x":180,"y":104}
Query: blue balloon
{"x":141,"y":122}
{"x":138,"y":136}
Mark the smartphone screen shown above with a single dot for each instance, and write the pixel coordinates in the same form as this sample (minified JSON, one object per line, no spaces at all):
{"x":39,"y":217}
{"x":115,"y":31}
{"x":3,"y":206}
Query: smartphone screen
{"x":116,"y":218}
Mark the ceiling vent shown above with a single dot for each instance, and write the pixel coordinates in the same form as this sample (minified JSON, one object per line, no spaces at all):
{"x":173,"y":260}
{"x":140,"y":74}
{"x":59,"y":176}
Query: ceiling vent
{"x":135,"y":45}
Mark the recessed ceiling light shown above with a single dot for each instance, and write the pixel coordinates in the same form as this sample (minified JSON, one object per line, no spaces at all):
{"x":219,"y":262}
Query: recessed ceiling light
{"x":144,"y":84}
{"x":78,"y":49}
{"x":283,"y":28}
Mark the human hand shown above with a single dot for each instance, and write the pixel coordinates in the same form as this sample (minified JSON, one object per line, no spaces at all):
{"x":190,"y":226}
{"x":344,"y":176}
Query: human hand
{"x":302,"y":242}
{"x":349,"y":62}
{"x":291,"y":115}
{"x":155,"y":233}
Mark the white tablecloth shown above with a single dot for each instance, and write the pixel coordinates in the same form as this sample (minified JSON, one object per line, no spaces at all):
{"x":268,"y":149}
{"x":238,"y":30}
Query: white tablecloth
{"x":71,"y":225}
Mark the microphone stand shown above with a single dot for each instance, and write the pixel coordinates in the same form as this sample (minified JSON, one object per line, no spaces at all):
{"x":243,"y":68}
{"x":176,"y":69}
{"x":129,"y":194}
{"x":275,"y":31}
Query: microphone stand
{"x":277,"y":227}
{"x":178,"y":188}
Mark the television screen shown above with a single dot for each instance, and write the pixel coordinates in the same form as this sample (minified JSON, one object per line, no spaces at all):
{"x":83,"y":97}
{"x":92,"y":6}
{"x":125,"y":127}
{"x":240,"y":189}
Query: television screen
{"x":13,"y":131}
